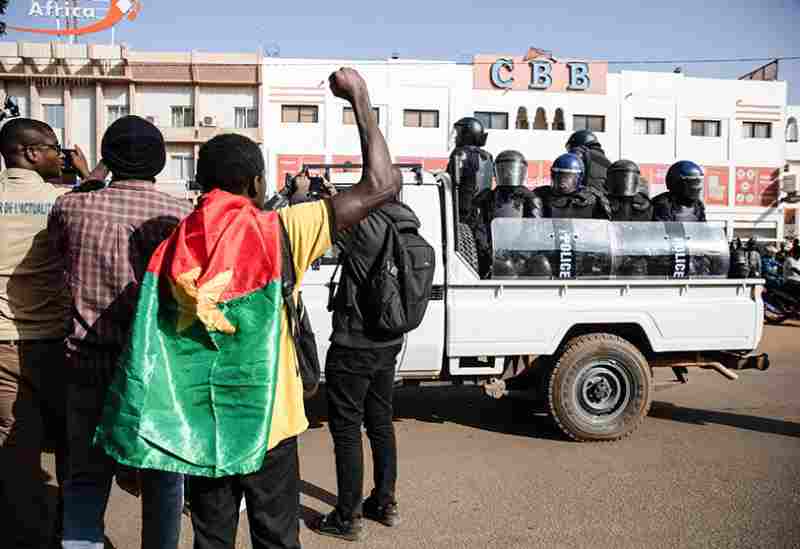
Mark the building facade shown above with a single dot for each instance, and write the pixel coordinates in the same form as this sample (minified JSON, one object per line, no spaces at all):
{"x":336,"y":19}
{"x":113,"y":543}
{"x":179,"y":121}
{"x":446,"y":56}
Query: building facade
{"x":80,"y":89}
{"x":741,"y":131}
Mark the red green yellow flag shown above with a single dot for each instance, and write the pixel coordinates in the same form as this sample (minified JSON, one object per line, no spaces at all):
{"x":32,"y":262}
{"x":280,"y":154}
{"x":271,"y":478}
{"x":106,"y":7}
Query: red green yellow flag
{"x":195,"y":387}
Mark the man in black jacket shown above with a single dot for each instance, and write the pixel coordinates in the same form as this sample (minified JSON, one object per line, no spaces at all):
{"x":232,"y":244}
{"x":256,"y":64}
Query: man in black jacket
{"x":359,"y":377}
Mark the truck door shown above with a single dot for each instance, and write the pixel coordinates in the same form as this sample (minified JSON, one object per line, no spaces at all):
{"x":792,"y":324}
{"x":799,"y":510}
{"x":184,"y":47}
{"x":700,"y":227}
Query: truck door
{"x":423,"y":349}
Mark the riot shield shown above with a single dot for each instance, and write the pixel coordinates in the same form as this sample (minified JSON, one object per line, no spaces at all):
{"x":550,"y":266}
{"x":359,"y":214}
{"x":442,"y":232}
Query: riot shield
{"x":598,"y":249}
{"x":669,"y":250}
{"x":641,"y":250}
{"x":709,"y":254}
{"x":551,"y":248}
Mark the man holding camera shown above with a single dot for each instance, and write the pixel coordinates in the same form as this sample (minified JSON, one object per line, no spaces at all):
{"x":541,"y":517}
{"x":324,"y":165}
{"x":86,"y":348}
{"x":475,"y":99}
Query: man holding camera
{"x":34,"y":310}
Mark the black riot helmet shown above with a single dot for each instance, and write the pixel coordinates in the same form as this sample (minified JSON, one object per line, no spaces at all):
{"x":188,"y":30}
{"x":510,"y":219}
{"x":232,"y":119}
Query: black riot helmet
{"x":623,"y":178}
{"x":470,"y":131}
{"x":511,"y":168}
{"x":685,"y":181}
{"x":582,"y":138}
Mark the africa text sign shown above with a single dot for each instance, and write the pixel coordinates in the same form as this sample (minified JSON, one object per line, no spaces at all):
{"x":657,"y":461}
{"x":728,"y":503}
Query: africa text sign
{"x":117,"y":10}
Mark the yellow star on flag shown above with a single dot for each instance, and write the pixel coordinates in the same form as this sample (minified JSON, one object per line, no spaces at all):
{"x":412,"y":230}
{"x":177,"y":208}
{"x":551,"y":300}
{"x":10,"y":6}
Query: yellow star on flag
{"x":201,"y":302}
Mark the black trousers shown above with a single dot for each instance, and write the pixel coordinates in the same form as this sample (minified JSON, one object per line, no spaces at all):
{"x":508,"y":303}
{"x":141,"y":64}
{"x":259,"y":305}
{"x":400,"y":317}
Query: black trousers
{"x":359,"y":384}
{"x":272,"y":495}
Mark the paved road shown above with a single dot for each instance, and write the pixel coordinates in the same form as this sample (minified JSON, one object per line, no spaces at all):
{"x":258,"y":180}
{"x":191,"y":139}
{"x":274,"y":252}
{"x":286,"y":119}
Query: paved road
{"x":717,"y":464}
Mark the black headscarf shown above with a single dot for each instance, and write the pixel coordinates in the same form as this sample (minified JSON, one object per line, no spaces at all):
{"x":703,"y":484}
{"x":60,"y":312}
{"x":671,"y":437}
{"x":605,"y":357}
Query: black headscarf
{"x":133,"y":148}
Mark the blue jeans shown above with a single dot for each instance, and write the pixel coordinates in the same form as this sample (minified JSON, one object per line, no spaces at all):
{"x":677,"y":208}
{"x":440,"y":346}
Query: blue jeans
{"x":86,"y":497}
{"x":88,"y":482}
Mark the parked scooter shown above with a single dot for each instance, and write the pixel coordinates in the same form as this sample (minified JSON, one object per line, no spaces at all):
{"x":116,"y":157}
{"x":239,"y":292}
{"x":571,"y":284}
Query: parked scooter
{"x":779,"y":305}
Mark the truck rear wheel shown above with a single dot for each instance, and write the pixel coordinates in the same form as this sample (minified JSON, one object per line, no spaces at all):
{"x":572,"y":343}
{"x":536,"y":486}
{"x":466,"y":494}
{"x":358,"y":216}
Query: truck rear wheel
{"x":600,"y":388}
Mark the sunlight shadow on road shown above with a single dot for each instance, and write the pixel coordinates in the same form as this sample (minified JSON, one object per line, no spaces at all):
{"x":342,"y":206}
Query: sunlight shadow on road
{"x":667,"y":410}
{"x":308,"y":515}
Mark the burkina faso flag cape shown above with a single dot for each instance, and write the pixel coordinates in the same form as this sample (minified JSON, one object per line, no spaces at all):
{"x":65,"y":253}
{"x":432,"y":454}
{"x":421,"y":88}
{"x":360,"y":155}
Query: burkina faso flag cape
{"x":195,"y":387}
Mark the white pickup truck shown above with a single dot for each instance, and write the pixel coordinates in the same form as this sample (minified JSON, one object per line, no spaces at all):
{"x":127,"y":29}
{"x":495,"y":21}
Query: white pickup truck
{"x":586,"y":347}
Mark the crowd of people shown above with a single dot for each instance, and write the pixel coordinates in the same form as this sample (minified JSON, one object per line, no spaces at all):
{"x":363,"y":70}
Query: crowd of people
{"x":149,"y":341}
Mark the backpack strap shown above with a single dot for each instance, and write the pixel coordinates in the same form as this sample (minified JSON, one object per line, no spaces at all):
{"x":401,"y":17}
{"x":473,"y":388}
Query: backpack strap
{"x":288,"y":282}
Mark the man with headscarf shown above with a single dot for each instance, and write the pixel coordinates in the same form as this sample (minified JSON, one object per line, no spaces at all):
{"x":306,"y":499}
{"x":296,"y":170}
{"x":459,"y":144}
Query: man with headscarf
{"x":107,"y":237}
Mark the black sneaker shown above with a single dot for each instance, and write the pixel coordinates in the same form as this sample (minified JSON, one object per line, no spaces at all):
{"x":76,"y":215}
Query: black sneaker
{"x":388,"y":514}
{"x":332,"y":525}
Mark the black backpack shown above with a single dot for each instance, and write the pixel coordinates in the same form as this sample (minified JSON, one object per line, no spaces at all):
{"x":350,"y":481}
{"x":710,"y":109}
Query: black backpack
{"x":399,"y":289}
{"x":305,"y":343}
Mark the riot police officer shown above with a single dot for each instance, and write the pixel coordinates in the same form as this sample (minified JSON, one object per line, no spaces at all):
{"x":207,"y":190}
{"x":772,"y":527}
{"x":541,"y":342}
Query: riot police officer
{"x":471,"y":170}
{"x":567,"y":196}
{"x":511,"y":199}
{"x":683,"y":200}
{"x":624,"y":196}
{"x":584,"y":143}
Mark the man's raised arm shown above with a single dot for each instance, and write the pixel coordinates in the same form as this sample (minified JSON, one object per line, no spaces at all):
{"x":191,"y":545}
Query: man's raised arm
{"x":376,"y":185}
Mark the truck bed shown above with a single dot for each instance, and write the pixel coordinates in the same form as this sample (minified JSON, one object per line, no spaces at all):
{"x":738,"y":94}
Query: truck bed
{"x":511,"y":317}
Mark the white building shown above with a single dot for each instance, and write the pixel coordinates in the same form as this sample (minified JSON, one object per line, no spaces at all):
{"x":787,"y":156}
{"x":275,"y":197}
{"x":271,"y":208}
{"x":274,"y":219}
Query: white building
{"x":740,"y":131}
{"x":791,"y":175}
{"x":733,"y":128}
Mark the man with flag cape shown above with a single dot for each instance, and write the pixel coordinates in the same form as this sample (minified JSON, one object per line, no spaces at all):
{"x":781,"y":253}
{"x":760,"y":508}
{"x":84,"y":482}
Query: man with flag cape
{"x":209,"y":384}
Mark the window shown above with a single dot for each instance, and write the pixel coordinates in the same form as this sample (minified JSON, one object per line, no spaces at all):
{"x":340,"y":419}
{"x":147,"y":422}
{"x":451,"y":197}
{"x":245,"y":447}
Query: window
{"x":245,"y":117}
{"x":558,"y":121}
{"x":182,"y":117}
{"x":493,"y":120}
{"x":706,"y":128}
{"x":757,"y":130}
{"x":54,"y":116}
{"x":420,"y":119}
{"x":182,"y":167}
{"x":791,"y":130}
{"x":299,"y":114}
{"x":589,"y":122}
{"x":522,"y":119}
{"x":349,"y":117}
{"x":540,"y":120}
{"x":115,"y":112}
{"x":648,"y":126}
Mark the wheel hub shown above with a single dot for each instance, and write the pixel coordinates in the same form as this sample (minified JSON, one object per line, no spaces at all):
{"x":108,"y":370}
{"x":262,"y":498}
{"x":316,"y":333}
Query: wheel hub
{"x":604,"y":389}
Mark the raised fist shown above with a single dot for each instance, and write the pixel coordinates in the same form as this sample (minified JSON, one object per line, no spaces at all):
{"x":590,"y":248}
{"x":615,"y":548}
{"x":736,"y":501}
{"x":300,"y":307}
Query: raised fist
{"x":347,"y":84}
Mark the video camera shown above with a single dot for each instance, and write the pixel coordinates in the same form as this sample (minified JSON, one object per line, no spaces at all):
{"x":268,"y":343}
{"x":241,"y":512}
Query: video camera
{"x":10,"y":109}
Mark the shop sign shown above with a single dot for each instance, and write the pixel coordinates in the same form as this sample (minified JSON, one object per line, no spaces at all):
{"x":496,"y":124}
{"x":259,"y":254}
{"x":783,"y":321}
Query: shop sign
{"x":539,"y":74}
{"x":756,"y":186}
{"x":116,"y":11}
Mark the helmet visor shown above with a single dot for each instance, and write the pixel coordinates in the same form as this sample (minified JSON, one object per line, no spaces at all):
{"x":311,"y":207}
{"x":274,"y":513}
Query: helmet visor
{"x":623,"y":183}
{"x":693,"y":188}
{"x":512,"y":174}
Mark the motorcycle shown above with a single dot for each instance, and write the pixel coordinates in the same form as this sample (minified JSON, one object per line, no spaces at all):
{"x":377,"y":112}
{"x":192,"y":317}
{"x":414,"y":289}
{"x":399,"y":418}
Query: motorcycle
{"x":779,"y":305}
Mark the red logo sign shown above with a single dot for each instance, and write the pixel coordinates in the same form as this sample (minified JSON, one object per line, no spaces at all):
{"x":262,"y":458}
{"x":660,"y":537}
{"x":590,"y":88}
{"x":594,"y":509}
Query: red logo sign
{"x":117,"y":11}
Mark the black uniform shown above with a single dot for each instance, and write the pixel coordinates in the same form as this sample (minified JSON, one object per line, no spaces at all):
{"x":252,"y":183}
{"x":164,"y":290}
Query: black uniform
{"x":585,"y":145}
{"x":667,"y":207}
{"x":583,"y":204}
{"x":471,"y":170}
{"x":596,"y":164}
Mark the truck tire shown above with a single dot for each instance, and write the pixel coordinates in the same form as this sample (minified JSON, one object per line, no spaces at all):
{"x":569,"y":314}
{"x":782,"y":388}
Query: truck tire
{"x":600,"y":389}
{"x":466,"y":245}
